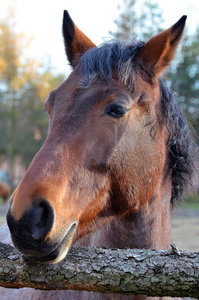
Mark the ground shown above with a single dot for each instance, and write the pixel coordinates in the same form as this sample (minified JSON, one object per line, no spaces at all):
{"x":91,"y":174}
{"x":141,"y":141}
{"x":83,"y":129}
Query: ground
{"x":185,"y":229}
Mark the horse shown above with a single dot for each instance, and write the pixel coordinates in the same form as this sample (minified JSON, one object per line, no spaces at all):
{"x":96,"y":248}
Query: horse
{"x":5,"y":191}
{"x":118,"y":155}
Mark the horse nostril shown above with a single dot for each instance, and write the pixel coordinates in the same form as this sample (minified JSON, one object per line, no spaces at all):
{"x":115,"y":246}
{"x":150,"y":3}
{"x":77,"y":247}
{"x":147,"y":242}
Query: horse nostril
{"x":39,"y":219}
{"x":30,"y":231}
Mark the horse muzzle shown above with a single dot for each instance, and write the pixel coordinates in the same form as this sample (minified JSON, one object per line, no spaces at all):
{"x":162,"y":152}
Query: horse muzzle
{"x":31,"y":234}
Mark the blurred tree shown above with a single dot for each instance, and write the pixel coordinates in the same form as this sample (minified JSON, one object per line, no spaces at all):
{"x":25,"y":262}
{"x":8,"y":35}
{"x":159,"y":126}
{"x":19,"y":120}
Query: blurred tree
{"x":184,"y":77}
{"x":24,"y":85}
{"x":138,"y":19}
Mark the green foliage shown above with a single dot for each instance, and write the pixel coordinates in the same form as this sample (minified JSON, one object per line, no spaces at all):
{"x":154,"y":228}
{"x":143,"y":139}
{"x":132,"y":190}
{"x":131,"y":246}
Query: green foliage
{"x":192,"y":202}
{"x":184,"y":78}
{"x":24,"y":85}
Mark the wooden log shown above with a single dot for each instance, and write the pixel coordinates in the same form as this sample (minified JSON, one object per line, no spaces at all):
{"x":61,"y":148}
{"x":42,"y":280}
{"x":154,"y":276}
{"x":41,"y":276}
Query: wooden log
{"x":124,"y":271}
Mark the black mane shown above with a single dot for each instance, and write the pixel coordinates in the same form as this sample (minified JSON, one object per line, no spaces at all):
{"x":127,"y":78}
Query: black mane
{"x":183,"y":157}
{"x":110,"y":57}
{"x":183,"y":152}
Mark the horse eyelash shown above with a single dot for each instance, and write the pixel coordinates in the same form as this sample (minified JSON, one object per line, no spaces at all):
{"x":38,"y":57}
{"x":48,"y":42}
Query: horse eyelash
{"x":141,"y":98}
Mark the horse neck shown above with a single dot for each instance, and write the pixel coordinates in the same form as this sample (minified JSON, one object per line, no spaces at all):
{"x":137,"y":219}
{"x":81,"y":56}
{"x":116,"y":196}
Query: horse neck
{"x":147,"y":228}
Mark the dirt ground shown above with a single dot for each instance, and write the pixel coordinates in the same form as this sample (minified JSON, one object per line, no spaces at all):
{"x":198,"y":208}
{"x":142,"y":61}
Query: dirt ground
{"x":185,"y":230}
{"x":3,"y":211}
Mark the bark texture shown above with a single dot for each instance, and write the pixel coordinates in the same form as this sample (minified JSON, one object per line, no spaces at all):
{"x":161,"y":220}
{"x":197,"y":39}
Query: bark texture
{"x":129,"y":271}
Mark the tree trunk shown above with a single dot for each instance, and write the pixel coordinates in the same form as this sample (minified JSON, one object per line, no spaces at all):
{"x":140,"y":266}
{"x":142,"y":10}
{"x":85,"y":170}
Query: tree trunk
{"x":129,"y":271}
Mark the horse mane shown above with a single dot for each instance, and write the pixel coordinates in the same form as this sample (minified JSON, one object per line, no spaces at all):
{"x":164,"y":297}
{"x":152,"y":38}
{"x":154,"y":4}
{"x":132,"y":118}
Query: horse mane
{"x":112,"y":56}
{"x":182,"y":151}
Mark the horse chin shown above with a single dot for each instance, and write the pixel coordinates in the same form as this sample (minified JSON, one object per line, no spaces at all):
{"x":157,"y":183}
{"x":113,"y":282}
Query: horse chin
{"x":61,"y":250}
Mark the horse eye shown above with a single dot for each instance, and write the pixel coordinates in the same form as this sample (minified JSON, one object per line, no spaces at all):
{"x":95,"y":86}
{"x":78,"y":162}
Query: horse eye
{"x":115,"y":111}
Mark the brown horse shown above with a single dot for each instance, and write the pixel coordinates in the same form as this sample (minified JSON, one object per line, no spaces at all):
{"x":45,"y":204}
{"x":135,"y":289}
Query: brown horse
{"x":5,"y":191}
{"x":118,"y":154}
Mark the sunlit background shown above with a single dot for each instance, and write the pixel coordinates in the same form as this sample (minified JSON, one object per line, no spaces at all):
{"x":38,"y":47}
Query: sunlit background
{"x":33,"y":62}
{"x":42,"y":20}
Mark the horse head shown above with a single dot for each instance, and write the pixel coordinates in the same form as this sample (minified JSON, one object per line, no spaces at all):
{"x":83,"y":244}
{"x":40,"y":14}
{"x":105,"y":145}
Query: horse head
{"x":105,"y":152}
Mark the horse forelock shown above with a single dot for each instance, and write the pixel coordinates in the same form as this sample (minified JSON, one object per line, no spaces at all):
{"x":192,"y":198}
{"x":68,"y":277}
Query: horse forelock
{"x":111,"y":61}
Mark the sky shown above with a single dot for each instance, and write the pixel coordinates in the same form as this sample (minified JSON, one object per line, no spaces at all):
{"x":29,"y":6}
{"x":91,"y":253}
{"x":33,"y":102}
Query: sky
{"x":42,"y":20}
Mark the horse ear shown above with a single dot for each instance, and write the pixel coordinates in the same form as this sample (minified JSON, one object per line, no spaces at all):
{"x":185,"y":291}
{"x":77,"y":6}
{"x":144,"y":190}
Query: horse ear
{"x":157,"y":53}
{"x":76,"y":42}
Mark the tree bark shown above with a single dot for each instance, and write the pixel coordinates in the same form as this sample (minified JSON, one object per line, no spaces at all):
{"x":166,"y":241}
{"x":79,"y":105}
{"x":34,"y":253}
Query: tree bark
{"x":129,"y":271}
